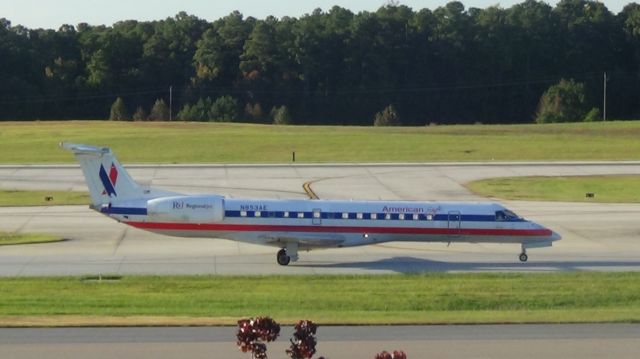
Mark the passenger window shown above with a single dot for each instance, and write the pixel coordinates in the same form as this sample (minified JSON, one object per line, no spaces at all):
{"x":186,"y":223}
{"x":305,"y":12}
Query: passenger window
{"x":416,"y":217}
{"x":316,"y":214}
{"x":258,"y":214}
{"x":374,"y":216}
{"x":359,"y":216}
{"x":401,"y":216}
{"x":243,"y":213}
{"x":387,"y":216}
{"x":286,"y":214}
{"x":300,"y":214}
{"x":429,"y":217}
{"x":345,"y":215}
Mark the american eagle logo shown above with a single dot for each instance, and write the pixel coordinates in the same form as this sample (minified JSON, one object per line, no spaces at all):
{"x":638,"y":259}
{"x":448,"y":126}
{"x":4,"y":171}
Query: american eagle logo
{"x":109,"y":180}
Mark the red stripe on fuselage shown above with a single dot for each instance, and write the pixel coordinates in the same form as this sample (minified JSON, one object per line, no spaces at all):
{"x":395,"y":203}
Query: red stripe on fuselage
{"x":337,"y":229}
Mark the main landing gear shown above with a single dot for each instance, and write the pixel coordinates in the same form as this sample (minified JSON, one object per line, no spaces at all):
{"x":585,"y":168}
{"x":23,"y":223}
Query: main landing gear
{"x":288,"y":254}
{"x":282,"y":257}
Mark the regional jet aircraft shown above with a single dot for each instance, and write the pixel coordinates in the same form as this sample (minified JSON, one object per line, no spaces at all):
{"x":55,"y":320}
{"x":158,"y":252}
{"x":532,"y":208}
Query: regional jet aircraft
{"x":294,"y":225}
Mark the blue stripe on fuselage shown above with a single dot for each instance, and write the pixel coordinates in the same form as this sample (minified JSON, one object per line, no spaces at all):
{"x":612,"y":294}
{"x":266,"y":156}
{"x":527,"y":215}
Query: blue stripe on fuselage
{"x":325,"y":215}
{"x":124,"y":210}
{"x":367,"y":216}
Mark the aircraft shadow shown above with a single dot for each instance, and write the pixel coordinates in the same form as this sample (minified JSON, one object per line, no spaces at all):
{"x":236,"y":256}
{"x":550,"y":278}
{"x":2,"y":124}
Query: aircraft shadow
{"x":419,"y":265}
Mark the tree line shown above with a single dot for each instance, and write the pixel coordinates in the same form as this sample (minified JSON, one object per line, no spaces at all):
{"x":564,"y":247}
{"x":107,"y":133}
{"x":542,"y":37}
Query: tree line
{"x":419,"y":66}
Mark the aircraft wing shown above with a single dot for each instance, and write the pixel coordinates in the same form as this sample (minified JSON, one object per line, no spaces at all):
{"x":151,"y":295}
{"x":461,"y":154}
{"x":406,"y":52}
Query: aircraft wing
{"x":307,"y":240}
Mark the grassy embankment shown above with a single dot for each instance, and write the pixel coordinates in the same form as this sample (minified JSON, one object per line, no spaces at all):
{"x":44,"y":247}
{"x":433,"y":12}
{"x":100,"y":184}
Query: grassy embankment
{"x":387,"y":299}
{"x":606,"y":189}
{"x":36,"y":142}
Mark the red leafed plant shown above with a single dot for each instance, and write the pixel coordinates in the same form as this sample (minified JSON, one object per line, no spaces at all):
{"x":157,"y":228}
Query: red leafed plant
{"x":303,"y":343}
{"x":397,"y":354}
{"x":252,"y":333}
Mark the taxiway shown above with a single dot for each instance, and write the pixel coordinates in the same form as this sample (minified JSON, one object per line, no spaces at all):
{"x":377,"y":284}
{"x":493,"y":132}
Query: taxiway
{"x":595,"y":236}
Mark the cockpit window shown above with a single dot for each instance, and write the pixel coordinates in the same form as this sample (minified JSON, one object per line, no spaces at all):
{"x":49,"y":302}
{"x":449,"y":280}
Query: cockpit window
{"x":505,"y":215}
{"x":511,"y":215}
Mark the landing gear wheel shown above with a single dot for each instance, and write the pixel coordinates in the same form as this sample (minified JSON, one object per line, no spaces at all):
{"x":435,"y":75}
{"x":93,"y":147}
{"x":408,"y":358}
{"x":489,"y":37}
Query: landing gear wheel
{"x":282,"y":257}
{"x":523,"y":257}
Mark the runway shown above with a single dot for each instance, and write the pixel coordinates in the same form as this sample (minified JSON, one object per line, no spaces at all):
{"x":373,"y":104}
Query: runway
{"x":595,"y":236}
{"x":459,"y":341}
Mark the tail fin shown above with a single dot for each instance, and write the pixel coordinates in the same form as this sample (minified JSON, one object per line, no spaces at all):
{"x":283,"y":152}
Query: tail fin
{"x":107,"y":180}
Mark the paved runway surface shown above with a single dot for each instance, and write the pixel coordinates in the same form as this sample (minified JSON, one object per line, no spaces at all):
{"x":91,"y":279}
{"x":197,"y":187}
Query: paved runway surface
{"x":460,"y":341}
{"x":596,"y":236}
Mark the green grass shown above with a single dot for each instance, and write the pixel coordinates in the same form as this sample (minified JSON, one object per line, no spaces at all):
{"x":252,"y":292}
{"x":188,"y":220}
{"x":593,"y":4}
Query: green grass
{"x":36,"y":142}
{"x":607,"y":189}
{"x":26,"y":238}
{"x":386,"y":299}
{"x":41,"y":198}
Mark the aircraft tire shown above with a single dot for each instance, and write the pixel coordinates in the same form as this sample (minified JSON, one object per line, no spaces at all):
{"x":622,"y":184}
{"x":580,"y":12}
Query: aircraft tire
{"x":282,"y":257}
{"x":523,"y":257}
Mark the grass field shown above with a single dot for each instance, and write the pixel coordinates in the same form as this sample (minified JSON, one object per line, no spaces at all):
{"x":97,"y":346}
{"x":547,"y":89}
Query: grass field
{"x":606,"y":189}
{"x":134,"y":142}
{"x":26,"y":238}
{"x":42,"y":198}
{"x":387,"y":299}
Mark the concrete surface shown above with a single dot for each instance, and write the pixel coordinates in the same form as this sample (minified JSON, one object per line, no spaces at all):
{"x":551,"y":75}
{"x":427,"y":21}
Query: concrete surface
{"x":618,"y":341}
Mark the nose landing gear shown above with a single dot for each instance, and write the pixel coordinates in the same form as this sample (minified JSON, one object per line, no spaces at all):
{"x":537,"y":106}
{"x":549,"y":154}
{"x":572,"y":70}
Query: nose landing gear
{"x":523,"y":257}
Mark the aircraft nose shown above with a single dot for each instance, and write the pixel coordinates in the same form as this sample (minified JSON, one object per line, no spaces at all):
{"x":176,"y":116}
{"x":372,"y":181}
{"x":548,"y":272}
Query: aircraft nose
{"x":555,"y":236}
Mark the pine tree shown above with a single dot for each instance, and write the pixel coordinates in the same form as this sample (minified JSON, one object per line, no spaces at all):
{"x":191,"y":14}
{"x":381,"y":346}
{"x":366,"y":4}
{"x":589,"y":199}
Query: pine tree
{"x":224,"y":109}
{"x":159,"y":111}
{"x":388,"y":117}
{"x":140,"y":114}
{"x":281,"y":116}
{"x":118,"y":111}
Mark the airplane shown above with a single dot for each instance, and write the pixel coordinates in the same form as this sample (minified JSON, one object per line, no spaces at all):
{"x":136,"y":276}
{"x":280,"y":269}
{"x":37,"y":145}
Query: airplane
{"x":294,"y":225}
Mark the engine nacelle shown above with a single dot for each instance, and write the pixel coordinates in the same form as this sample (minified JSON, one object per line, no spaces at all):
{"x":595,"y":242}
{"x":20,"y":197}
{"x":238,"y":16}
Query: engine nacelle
{"x":186,"y":209}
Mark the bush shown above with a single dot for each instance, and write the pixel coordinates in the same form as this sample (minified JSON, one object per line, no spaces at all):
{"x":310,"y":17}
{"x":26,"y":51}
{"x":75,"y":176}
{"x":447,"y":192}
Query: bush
{"x":388,"y":117}
{"x":200,"y":111}
{"x":159,"y":111}
{"x":563,"y":102}
{"x":593,"y":115}
{"x":140,"y":114}
{"x":254,"y":112}
{"x":118,"y":111}
{"x":224,"y":109}
{"x":281,"y":116}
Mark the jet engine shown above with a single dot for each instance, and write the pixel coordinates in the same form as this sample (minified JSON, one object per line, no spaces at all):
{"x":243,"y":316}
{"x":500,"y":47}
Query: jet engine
{"x":186,"y":209}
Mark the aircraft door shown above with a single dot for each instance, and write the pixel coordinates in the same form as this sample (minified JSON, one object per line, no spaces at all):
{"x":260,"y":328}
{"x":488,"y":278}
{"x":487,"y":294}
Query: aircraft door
{"x":317,"y":216}
{"x":454,"y":219}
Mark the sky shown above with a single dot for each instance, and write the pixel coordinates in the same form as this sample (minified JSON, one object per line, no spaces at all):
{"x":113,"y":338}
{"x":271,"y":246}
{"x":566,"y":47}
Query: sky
{"x":53,"y":13}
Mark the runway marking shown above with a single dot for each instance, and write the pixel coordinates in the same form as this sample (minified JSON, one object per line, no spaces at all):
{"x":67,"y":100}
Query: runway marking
{"x":307,"y":188}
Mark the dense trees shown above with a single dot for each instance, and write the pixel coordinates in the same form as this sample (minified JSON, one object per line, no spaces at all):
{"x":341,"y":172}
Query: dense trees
{"x":448,"y":65}
{"x":564,"y":102}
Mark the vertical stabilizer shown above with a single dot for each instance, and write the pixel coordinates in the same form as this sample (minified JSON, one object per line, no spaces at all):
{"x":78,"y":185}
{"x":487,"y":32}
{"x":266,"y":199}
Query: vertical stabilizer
{"x":107,"y":180}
